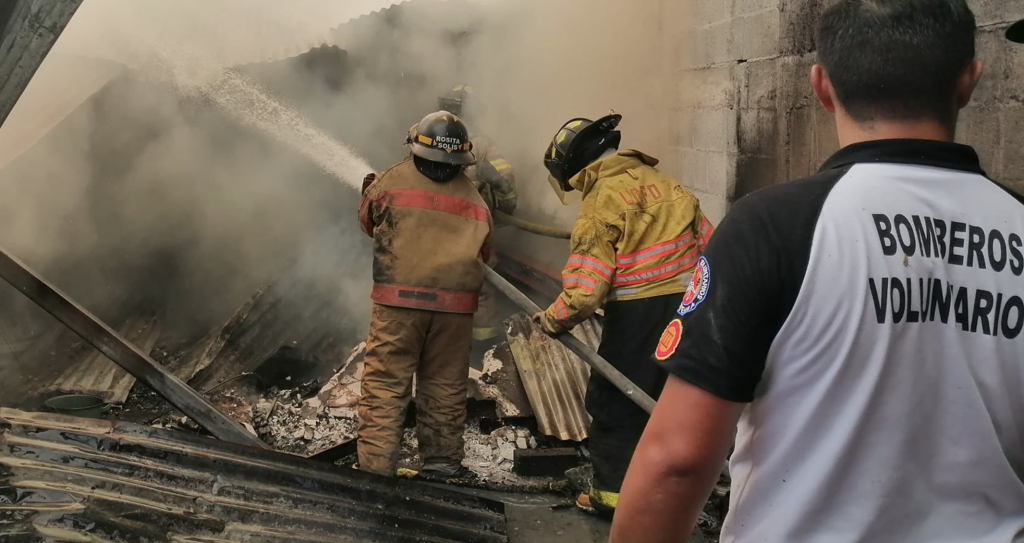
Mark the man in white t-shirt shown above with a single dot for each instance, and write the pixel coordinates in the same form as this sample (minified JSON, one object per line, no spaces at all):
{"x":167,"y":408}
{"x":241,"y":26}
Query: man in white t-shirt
{"x":860,"y":330}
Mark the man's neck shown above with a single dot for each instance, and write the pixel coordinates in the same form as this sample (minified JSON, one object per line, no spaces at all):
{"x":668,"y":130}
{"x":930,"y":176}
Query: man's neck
{"x":851,"y":132}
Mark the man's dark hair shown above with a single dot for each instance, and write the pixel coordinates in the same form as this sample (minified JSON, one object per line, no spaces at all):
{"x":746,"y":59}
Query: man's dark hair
{"x":897,"y":59}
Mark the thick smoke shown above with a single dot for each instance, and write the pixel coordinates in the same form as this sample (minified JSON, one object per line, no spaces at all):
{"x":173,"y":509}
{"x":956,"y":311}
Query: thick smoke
{"x":156,"y":194}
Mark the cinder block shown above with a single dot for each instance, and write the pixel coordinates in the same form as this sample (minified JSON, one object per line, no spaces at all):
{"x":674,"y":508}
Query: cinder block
{"x":997,"y":54}
{"x":715,"y":130}
{"x":672,"y":163}
{"x":693,"y":48}
{"x":741,"y":8}
{"x":713,"y":87}
{"x":708,"y":12}
{"x":714,"y":207}
{"x":755,"y":36}
{"x":758,"y":132}
{"x":755,"y":173}
{"x":991,"y":12}
{"x":679,"y":134}
{"x":721,"y":174}
{"x":759,"y":84}
{"x":693,"y":172}
{"x":982,"y":128}
{"x":544,"y":462}
{"x":720,"y":43}
{"x":799,"y":21}
{"x":1012,"y":119}
{"x":794,"y":86}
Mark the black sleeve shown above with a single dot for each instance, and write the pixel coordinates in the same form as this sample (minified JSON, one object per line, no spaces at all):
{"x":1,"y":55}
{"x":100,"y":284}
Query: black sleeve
{"x":754,"y":267}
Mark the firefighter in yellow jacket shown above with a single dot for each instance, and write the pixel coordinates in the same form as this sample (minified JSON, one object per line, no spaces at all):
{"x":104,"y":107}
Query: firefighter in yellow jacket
{"x":430,"y":229}
{"x":495,"y":180}
{"x":634,"y":247}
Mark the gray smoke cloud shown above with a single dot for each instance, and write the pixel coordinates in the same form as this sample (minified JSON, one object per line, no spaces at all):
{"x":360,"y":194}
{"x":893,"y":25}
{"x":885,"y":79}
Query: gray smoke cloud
{"x":158,"y":192}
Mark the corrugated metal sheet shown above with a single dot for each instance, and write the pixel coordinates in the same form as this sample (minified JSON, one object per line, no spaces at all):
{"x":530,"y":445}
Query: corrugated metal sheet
{"x":555,"y":379}
{"x":69,"y":479}
{"x":97,"y":375}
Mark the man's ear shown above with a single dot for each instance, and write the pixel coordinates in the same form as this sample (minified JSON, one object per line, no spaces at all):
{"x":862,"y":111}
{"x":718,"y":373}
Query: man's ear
{"x":967,"y":82}
{"x":823,"y":88}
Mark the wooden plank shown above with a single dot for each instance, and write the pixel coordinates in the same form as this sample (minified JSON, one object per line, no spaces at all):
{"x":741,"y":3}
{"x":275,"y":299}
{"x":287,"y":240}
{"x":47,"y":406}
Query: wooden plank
{"x":28,"y":30}
{"x":124,"y":354}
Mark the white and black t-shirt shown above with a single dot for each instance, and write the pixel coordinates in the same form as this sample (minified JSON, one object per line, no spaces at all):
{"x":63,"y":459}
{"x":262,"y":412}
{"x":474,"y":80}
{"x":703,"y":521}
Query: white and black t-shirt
{"x":873,"y":317}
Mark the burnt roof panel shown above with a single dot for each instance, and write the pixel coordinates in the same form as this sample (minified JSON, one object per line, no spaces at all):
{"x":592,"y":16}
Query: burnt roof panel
{"x":80,"y":479}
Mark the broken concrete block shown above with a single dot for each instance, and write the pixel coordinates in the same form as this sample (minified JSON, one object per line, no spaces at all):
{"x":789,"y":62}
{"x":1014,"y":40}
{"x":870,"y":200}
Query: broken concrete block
{"x":521,"y":443}
{"x":544,"y":462}
{"x":507,"y":451}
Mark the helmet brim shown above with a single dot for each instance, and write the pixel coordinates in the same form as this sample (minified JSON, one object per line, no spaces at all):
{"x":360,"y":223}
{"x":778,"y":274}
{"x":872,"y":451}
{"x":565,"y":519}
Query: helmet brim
{"x":458,"y":158}
{"x":1016,"y":32}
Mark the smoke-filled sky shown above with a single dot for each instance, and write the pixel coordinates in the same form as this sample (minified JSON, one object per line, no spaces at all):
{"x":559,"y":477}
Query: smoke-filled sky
{"x":186,"y":186}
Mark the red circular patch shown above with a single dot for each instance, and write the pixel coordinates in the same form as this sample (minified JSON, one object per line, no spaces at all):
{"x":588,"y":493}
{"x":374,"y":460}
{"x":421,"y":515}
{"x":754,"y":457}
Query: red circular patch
{"x":670,"y":339}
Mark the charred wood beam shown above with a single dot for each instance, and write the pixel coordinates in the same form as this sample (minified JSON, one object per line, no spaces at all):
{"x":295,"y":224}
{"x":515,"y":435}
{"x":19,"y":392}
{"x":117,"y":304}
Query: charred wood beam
{"x":28,"y":30}
{"x":122,"y":353}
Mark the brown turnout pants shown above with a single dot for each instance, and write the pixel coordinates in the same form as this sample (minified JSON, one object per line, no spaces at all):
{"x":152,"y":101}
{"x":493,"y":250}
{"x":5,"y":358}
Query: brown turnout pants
{"x":435,"y":347}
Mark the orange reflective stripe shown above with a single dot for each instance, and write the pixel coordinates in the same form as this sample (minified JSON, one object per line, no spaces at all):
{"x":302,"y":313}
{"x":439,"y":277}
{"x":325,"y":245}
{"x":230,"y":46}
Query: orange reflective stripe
{"x":561,"y":311}
{"x":579,"y":281}
{"x":654,"y":251}
{"x":706,"y":228}
{"x":648,"y":275}
{"x":424,"y":199}
{"x":431,"y":299}
{"x":590,"y":263}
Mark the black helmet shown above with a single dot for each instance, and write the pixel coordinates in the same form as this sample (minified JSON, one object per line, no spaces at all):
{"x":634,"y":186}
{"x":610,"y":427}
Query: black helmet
{"x":442,"y":137}
{"x":455,"y":99}
{"x":578,"y":143}
{"x":1016,"y":32}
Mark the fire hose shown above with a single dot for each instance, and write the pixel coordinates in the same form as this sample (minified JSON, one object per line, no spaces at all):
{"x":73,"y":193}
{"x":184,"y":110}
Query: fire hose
{"x":571,"y":342}
{"x":533,"y":228}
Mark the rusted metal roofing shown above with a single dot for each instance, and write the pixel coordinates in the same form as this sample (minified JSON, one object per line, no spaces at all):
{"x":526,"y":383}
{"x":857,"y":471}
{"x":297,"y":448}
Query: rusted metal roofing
{"x":555,"y":379}
{"x":70,"y":479}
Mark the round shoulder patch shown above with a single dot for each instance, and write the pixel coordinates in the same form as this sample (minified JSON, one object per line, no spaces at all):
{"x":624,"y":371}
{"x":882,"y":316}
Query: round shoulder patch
{"x":669,"y":340}
{"x":698,"y":289}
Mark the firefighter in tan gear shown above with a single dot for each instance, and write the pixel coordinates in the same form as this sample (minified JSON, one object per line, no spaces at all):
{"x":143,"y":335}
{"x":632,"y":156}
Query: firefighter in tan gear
{"x":493,"y":177}
{"x":430,"y":229}
{"x":634,"y":247}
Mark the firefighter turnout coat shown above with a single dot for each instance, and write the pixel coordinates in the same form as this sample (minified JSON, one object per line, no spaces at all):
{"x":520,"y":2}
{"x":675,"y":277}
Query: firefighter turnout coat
{"x":639,"y":234}
{"x":493,"y":177}
{"x":429,"y":239}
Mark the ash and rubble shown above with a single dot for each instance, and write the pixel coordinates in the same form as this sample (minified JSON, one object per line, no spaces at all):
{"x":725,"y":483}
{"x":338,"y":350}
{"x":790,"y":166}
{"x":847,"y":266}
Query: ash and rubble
{"x":309,"y":419}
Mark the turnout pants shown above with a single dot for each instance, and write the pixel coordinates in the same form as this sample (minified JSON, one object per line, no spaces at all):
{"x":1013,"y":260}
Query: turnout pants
{"x":631,"y":333}
{"x":435,"y":348}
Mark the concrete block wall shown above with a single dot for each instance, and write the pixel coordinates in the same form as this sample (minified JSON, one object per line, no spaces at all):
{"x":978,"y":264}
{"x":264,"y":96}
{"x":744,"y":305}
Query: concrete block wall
{"x":740,"y":108}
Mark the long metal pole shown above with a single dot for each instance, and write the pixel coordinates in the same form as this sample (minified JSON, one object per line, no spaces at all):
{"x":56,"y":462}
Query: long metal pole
{"x":571,"y":342}
{"x":122,"y":353}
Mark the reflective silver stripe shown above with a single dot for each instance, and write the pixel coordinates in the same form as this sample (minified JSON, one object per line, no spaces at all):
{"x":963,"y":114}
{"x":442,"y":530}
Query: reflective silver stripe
{"x":632,"y":291}
{"x":650,"y":274}
{"x":579,"y":281}
{"x":590,"y":261}
{"x":619,"y":292}
{"x":682,"y":241}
